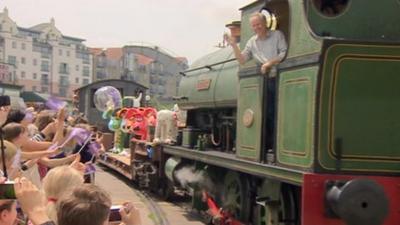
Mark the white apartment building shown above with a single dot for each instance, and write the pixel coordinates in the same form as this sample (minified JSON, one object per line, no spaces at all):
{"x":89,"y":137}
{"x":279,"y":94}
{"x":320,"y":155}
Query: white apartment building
{"x":45,"y":60}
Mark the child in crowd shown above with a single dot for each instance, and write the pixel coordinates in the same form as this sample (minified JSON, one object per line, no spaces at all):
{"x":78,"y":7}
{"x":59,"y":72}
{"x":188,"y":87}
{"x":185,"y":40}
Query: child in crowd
{"x":58,"y":182}
{"x":89,"y":199}
{"x":10,"y":152}
{"x":8,"y":212}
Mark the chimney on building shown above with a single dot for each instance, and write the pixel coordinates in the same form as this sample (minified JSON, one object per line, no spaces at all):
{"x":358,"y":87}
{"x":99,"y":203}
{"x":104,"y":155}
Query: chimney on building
{"x":234,"y":27}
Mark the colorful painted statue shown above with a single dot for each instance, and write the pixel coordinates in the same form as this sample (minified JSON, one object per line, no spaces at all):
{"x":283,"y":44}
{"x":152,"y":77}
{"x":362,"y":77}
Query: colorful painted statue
{"x":167,"y":125}
{"x":137,"y":121}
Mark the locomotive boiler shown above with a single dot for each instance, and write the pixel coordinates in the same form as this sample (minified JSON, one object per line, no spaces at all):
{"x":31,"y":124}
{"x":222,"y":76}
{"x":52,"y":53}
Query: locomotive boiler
{"x":332,"y":156}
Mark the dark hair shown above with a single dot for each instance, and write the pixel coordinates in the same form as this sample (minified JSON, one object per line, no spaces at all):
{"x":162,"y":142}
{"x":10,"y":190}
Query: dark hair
{"x":87,"y":204}
{"x":12,"y":131}
{"x":15,"y":116}
{"x":6,"y":205}
{"x":43,"y":119}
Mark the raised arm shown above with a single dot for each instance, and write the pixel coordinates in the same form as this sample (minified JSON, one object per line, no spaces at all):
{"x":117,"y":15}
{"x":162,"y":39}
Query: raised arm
{"x":241,"y":58}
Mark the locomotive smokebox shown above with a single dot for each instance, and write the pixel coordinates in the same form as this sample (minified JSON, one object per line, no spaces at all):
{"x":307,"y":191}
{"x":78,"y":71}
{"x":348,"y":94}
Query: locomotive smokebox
{"x":358,"y":201}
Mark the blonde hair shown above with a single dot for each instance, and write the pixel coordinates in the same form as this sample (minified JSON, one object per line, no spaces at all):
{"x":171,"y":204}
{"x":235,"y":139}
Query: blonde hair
{"x":10,"y":150}
{"x":260,"y":16}
{"x":58,"y":182}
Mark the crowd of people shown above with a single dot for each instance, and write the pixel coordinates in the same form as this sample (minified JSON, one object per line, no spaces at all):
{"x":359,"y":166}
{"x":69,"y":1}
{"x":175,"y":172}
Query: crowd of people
{"x":45,"y":155}
{"x":48,"y":167}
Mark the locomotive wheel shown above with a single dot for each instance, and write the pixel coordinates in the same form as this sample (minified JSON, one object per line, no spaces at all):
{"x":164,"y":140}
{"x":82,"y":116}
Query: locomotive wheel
{"x":236,"y":196}
{"x":288,"y":210}
{"x":167,"y":191}
{"x":282,"y":209}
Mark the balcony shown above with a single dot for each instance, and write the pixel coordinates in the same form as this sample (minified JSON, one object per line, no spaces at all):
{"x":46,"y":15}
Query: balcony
{"x":44,"y":81}
{"x":63,"y":83}
{"x":44,"y":68}
{"x":64,"y":71}
{"x":45,"y":55}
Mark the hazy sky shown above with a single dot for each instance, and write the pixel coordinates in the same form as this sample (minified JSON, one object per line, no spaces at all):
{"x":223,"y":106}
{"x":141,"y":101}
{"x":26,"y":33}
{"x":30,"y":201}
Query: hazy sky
{"x":188,"y":28}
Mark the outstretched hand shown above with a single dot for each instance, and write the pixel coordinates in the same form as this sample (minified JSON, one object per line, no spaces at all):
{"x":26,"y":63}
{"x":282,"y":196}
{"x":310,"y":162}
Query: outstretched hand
{"x":229,"y":39}
{"x":130,"y":215}
{"x":76,"y":164}
{"x":31,"y":200}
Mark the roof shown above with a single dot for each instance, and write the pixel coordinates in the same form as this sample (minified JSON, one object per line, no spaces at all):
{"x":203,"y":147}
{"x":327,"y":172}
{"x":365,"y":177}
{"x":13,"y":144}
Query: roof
{"x":28,"y":30}
{"x":73,"y":38}
{"x":95,"y":51}
{"x":31,"y":96}
{"x":143,"y":60}
{"x":111,"y":80}
{"x":111,"y":53}
{"x":181,"y":59}
{"x":40,"y":26}
{"x":114,"y":53}
{"x":11,"y":86}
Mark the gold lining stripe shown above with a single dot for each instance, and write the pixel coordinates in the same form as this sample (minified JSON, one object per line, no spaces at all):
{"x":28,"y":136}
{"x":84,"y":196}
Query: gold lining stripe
{"x":323,"y":75}
{"x":313,"y":99}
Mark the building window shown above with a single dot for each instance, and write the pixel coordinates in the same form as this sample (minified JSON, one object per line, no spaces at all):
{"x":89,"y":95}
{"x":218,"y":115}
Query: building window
{"x":45,"y":89}
{"x":12,"y":60}
{"x":23,"y":60}
{"x":45,"y":66}
{"x":85,"y":81}
{"x":14,"y":44}
{"x":77,"y":80}
{"x":34,"y":76}
{"x":63,"y":92}
{"x":77,"y":67}
{"x":44,"y":80}
{"x":22,"y":74}
{"x":23,"y":46}
{"x":68,"y":53}
{"x":34,"y":62}
{"x":64,"y":81}
{"x":60,"y":52}
{"x":33,"y":88}
{"x":64,"y":68}
{"x":85,"y":71}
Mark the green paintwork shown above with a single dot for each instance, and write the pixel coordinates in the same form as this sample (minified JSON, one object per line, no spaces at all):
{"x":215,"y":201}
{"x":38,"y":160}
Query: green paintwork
{"x":361,"y":20}
{"x":300,"y":41}
{"x":225,"y":160}
{"x":250,"y":98}
{"x":270,"y":189}
{"x":170,"y":166}
{"x":190,"y":136}
{"x":223,"y":78}
{"x":360,"y":105}
{"x":295,"y":135}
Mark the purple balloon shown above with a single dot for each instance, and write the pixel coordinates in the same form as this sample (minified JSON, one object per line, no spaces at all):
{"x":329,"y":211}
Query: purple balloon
{"x":94,"y":148}
{"x":90,"y":168}
{"x":54,"y":103}
{"x":80,"y":135}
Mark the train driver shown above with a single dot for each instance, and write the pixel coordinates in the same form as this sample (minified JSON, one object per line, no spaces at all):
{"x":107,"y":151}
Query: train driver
{"x":269,"y":48}
{"x":266,"y":46}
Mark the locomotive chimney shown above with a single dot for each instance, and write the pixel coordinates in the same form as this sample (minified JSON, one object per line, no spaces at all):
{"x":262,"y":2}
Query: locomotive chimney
{"x":234,"y":27}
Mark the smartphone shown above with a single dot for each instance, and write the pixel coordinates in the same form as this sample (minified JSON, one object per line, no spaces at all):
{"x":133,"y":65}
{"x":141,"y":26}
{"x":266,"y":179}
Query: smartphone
{"x":7,"y":190}
{"x":114,"y":213}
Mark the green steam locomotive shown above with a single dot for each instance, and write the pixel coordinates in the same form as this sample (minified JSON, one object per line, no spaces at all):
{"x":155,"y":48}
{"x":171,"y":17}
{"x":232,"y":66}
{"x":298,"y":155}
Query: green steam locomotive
{"x":333,"y":156}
